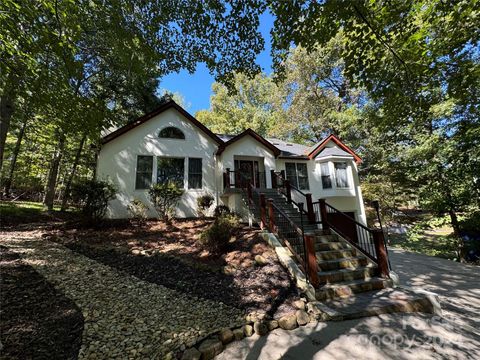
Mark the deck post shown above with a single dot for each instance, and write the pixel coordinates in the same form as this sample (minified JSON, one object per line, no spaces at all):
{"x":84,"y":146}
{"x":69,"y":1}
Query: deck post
{"x":226,"y":175}
{"x":323,"y":214}
{"x":271,"y":215}
{"x":311,"y":260}
{"x":288,"y":191}
{"x":382,"y":257}
{"x":263,"y":211}
{"x":273,"y":177}
{"x":249,"y":192}
{"x":310,"y":210}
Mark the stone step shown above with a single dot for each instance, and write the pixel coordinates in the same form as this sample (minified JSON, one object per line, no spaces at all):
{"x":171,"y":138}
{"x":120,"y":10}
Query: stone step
{"x":336,"y":276}
{"x":373,"y":303}
{"x":345,"y":263}
{"x":348,"y":288}
{"x":334,"y":245}
{"x":325,"y":238}
{"x":335,"y":254}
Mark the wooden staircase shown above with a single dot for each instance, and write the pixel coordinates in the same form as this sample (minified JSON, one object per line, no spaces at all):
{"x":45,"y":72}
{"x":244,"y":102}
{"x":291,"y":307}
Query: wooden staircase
{"x":343,"y":270}
{"x":350,"y":274}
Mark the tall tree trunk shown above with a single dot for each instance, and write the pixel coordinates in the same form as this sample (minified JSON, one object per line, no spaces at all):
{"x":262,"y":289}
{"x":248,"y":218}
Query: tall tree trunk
{"x":6,"y":112}
{"x":49,"y":198}
{"x":66,"y":194}
{"x":13,"y":163}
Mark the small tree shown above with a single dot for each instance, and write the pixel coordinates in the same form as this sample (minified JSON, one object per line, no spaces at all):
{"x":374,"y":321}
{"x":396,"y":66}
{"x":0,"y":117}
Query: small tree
{"x":93,"y":197}
{"x":165,"y":197}
{"x":204,"y":202}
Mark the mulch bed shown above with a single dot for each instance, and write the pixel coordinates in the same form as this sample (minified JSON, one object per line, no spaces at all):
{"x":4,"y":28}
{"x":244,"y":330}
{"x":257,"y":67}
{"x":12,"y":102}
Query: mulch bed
{"x":172,"y":256}
{"x":37,"y":321}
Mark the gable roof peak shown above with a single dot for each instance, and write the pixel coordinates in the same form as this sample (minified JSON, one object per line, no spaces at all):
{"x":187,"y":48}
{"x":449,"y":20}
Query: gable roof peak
{"x":253,"y":134}
{"x":165,"y":106}
{"x":321,"y":145}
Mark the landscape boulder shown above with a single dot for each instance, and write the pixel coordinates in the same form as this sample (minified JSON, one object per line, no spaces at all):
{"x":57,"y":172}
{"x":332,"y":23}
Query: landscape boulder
{"x":210,"y":348}
{"x":226,"y":336}
{"x":288,"y":322}
{"x":260,"y":328}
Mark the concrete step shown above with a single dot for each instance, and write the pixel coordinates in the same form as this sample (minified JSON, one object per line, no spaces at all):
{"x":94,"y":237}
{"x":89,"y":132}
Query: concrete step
{"x":334,"y":245}
{"x":336,"y":276}
{"x":345,"y":263}
{"x":348,"y":288}
{"x":335,"y":254}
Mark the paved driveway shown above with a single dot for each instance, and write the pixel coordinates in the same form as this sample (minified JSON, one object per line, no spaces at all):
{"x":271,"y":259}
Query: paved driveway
{"x":455,"y":335}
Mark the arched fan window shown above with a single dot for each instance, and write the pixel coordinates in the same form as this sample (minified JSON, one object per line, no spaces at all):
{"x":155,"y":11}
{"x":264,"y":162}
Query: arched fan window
{"x":171,"y":133}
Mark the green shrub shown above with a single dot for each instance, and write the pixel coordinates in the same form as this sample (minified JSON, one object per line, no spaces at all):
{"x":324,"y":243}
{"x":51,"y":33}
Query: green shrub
{"x":204,"y":202}
{"x":221,"y":210}
{"x":138,"y":210}
{"x":165,"y":197}
{"x":92,"y":196}
{"x":217,"y":237}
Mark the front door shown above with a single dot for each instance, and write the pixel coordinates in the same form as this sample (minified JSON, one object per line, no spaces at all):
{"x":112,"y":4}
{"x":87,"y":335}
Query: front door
{"x":246,"y":168}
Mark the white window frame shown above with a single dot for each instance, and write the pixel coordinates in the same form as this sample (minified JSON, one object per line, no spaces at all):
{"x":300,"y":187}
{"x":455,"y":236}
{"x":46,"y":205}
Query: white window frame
{"x":296,"y":173}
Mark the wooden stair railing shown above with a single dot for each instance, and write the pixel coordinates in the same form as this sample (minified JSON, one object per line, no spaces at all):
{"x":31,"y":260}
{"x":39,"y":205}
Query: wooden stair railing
{"x":284,"y":186}
{"x":369,"y":242}
{"x":293,"y":236}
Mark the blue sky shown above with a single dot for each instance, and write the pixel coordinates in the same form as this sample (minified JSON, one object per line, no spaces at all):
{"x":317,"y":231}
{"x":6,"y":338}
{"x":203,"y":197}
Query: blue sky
{"x":196,"y":88}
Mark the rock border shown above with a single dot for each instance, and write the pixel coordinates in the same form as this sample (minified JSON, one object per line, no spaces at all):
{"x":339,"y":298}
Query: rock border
{"x":214,"y":344}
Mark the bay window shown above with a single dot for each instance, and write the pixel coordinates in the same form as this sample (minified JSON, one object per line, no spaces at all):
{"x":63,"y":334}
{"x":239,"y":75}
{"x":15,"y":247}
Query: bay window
{"x":326,"y":177}
{"x":341,"y":174}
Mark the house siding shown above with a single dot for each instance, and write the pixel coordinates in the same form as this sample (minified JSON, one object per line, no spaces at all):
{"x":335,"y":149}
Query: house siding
{"x":117,"y":162}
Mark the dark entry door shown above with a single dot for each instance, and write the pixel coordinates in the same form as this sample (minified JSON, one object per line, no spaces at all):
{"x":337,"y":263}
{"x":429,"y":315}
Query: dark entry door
{"x":245,"y":167}
{"x":348,"y":227}
{"x":248,"y":170}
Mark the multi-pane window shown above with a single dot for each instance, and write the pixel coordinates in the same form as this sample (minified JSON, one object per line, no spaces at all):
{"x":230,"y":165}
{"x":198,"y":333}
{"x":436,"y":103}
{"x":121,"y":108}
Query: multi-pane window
{"x":171,"y":133}
{"x":194,"y":173}
{"x":341,"y":174}
{"x":297,"y":174}
{"x":143,"y":179}
{"x":171,"y":169}
{"x":326,"y":177}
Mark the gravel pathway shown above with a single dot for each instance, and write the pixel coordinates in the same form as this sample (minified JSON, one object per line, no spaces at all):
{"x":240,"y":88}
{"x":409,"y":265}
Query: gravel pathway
{"x":125,"y":317}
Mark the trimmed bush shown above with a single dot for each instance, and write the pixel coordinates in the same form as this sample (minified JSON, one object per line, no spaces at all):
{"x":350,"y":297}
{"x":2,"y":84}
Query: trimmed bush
{"x":138,"y":210}
{"x":221,"y":210}
{"x":204,"y":202}
{"x":217,"y":237}
{"x":165,"y":197}
{"x":92,"y":196}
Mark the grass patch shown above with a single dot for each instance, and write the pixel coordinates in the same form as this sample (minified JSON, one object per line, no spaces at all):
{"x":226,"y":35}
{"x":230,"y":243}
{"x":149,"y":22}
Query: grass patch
{"x":21,"y":212}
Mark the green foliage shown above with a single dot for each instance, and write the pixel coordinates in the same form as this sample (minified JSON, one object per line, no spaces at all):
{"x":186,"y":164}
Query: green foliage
{"x":92,"y":196}
{"x":471,"y":222}
{"x":138,"y":210}
{"x":217,"y":237}
{"x":430,"y":235}
{"x":165,"y":197}
{"x":221,"y":210}
{"x":251,"y":104}
{"x":204,"y":202}
{"x":74,"y":68}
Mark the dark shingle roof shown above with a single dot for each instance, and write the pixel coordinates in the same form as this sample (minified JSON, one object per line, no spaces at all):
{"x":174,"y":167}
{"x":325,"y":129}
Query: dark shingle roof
{"x":332,"y":151}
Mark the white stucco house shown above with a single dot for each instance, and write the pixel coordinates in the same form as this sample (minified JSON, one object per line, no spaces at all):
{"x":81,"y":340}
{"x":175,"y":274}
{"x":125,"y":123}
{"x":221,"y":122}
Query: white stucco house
{"x":169,"y":143}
